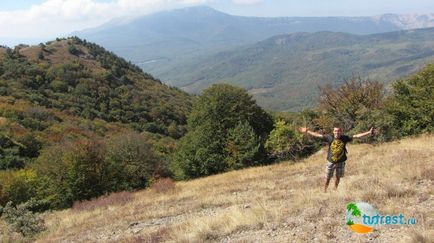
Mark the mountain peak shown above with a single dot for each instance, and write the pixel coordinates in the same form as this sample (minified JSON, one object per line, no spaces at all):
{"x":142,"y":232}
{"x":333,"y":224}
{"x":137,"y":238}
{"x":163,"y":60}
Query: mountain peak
{"x":201,"y":10}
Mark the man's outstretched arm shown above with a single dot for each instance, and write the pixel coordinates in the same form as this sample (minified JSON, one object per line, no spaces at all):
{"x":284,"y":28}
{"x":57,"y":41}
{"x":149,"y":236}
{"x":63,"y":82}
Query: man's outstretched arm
{"x":306,"y":130}
{"x":364,"y":134}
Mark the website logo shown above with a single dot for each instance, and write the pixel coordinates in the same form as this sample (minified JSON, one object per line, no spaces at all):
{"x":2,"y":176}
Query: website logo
{"x":362,"y":217}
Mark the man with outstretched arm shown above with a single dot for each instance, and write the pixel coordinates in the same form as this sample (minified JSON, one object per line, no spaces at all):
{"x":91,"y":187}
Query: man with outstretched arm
{"x":336,"y":155}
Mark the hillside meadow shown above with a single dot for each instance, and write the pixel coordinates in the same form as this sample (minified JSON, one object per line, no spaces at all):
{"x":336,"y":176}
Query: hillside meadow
{"x":278,"y":203}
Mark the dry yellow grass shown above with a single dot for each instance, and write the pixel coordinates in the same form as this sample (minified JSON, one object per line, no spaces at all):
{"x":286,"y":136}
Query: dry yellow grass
{"x":278,"y":203}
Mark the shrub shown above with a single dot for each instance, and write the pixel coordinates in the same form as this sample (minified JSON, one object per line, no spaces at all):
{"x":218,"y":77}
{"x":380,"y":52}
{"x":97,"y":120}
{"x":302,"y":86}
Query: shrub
{"x":72,"y":171}
{"x":10,"y":153}
{"x":74,"y":50}
{"x":131,"y":162}
{"x":52,"y":171}
{"x":86,"y":162}
{"x":22,"y":220}
{"x":18,"y":186}
{"x":284,"y":142}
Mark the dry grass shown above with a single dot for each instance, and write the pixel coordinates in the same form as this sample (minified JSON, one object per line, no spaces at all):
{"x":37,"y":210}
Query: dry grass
{"x":114,"y":199}
{"x":164,"y":185}
{"x":9,"y":236}
{"x":278,"y":203}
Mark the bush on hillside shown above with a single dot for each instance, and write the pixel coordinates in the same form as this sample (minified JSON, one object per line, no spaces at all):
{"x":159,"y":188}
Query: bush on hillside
{"x":88,"y":168}
{"x":18,"y":186}
{"x":22,"y":220}
{"x":284,"y":142}
{"x":131,"y":162}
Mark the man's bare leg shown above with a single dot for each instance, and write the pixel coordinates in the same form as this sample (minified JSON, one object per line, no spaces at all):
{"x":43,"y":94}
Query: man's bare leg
{"x":326,"y":184}
{"x":337,"y":182}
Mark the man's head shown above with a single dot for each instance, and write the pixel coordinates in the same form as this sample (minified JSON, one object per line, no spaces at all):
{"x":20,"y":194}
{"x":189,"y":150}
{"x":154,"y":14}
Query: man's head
{"x":337,"y":132}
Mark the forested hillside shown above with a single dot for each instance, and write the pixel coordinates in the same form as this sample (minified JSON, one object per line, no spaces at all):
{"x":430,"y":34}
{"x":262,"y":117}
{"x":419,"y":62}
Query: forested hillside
{"x":76,"y":121}
{"x":83,"y":79}
{"x":284,"y":72}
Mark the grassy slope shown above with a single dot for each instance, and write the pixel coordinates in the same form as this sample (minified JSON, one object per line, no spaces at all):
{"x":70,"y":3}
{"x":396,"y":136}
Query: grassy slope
{"x":276,"y":203}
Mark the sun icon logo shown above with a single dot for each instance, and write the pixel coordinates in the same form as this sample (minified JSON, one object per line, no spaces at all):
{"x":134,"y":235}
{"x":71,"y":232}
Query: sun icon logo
{"x":354,"y":216}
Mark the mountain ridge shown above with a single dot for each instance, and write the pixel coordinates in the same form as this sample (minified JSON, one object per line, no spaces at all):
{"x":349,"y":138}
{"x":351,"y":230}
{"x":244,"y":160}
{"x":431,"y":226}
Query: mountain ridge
{"x":166,"y":43}
{"x":278,"y":71}
{"x":174,"y":36}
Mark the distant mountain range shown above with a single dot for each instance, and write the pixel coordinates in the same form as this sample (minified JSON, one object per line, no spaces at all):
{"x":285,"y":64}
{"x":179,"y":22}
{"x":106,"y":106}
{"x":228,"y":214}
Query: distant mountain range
{"x":284,"y":71}
{"x":194,"y":47}
{"x":157,"y":41}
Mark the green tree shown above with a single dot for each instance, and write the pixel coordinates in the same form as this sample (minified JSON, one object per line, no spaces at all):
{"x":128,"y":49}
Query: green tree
{"x":214,"y":125}
{"x":18,"y":186}
{"x":242,"y":146}
{"x":412,"y":103}
{"x":200,"y":152}
{"x":85,"y":166}
{"x":227,"y":105}
{"x":10,"y":153}
{"x":71,"y":171}
{"x":284,"y":142}
{"x":131,"y":162}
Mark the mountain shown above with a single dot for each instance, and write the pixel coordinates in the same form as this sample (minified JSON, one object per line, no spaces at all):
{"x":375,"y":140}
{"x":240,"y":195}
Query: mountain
{"x":83,"y":79}
{"x":278,"y":203}
{"x":284,"y":71}
{"x":408,"y":21}
{"x":77,"y":122}
{"x":159,"y":41}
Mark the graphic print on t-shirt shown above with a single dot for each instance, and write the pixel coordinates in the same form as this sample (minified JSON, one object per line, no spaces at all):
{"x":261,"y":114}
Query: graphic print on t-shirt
{"x":337,"y":149}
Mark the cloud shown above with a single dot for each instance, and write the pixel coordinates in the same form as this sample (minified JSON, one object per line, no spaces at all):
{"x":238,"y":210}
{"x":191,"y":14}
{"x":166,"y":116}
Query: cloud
{"x":246,"y":2}
{"x":55,"y":18}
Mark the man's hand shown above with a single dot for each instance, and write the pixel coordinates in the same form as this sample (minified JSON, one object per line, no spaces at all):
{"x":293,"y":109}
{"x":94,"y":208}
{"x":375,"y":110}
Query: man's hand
{"x":306,"y":130}
{"x":371,"y":132}
{"x":303,"y":129}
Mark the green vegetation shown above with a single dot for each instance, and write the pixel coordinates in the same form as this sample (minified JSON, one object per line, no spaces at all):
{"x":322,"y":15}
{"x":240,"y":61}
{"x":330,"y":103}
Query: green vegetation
{"x":227,"y":130}
{"x":412,"y":103}
{"x":284,"y":141}
{"x":92,"y":83}
{"x":77,"y":122}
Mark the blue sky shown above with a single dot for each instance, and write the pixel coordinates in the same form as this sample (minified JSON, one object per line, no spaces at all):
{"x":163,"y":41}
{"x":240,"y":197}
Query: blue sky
{"x":37,"y":20}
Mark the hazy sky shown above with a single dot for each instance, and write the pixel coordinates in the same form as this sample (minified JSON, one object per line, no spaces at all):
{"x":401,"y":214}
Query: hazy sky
{"x":32,"y":21}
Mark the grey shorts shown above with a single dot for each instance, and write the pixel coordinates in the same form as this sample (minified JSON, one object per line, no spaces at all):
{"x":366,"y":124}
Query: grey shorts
{"x":331,"y":167}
